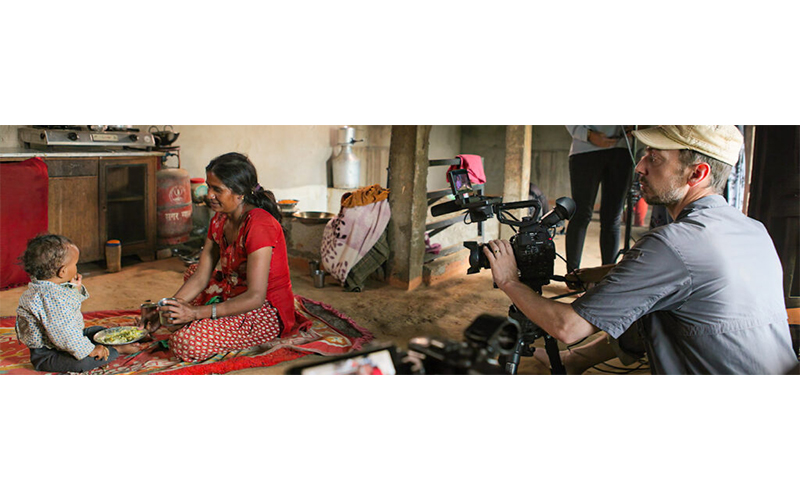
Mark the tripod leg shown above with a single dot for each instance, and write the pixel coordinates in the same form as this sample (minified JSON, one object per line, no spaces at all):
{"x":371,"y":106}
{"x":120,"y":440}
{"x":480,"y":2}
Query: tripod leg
{"x":513,"y":363}
{"x":551,"y":346}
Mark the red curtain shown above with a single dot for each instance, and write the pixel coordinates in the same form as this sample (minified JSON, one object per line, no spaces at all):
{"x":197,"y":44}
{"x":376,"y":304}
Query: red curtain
{"x":23,"y":215}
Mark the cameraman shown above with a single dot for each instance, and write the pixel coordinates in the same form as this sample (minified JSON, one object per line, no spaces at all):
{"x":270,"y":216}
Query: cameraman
{"x":706,"y":289}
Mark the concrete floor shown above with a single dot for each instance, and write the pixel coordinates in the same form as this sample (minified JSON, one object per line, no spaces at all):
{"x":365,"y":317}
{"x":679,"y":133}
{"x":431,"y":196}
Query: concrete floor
{"x":392,"y":315}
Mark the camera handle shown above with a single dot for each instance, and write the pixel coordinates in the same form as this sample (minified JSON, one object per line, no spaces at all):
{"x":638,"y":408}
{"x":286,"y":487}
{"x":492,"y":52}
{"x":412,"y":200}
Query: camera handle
{"x":531,"y":332}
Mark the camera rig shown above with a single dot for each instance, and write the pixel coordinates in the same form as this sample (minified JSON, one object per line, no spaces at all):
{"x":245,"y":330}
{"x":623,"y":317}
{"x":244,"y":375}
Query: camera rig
{"x":485,"y":341}
{"x":533,"y":247}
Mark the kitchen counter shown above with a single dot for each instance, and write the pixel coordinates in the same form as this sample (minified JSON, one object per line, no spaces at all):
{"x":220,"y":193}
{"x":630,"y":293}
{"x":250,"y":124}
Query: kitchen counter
{"x":25,"y":153}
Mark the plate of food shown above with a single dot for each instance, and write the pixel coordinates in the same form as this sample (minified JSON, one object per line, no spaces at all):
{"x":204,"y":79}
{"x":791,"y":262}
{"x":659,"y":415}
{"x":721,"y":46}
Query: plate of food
{"x":119,"y":335}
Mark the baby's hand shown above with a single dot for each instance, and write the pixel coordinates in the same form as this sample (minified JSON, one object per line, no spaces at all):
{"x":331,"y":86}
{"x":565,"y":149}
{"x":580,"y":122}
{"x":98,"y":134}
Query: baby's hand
{"x":99,"y":352}
{"x":76,"y":281}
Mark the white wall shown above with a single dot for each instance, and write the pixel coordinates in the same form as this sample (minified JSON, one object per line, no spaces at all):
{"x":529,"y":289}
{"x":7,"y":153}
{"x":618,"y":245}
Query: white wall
{"x":8,"y":136}
{"x":290,"y":160}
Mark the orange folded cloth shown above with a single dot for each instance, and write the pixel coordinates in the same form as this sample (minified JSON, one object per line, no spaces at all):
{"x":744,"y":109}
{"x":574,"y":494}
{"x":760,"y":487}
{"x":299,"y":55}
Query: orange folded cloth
{"x":364,"y":196}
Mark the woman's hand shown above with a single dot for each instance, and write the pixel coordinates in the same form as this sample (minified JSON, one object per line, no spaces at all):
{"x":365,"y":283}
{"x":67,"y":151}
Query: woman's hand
{"x":179,"y":311}
{"x":600,"y":140}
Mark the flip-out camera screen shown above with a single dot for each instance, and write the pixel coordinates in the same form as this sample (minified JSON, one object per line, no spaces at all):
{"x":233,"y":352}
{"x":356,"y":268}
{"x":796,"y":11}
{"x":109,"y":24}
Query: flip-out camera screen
{"x":459,"y":182}
{"x":376,"y":362}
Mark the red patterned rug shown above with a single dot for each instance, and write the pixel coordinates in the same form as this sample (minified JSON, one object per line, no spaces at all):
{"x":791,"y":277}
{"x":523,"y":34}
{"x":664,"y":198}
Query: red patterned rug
{"x":331,"y":333}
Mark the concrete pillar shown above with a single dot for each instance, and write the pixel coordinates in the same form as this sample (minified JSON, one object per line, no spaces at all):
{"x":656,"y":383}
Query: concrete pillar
{"x":408,"y":177}
{"x":517,"y":169}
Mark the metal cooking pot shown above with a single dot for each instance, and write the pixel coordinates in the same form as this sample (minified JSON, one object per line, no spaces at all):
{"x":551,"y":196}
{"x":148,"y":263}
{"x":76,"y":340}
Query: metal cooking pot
{"x":164,"y":137}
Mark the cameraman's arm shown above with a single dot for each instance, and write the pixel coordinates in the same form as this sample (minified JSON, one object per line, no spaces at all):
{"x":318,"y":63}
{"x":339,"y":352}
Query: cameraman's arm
{"x":588,"y":276}
{"x":556,"y":318}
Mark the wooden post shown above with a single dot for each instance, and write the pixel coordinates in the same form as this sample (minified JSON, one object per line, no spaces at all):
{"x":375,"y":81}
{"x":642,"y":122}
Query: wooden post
{"x":517,"y":169}
{"x":408,"y":178}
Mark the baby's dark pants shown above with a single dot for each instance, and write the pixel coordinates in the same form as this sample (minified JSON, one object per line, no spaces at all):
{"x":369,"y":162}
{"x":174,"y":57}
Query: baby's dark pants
{"x":51,"y":360}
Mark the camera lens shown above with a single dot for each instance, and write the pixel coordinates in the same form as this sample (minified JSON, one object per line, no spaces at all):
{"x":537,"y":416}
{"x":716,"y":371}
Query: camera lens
{"x":506,"y":342}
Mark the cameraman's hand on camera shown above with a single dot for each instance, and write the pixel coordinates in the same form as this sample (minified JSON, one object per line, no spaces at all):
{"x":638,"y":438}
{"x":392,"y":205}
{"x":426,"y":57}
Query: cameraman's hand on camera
{"x":503,"y":263}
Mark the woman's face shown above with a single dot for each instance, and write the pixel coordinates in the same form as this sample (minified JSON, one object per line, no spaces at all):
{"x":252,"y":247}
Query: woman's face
{"x":220,"y":197}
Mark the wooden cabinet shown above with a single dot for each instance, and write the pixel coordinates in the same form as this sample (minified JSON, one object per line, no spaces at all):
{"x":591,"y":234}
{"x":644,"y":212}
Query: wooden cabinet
{"x":73,"y":205}
{"x":128,"y":203}
{"x":93,"y":200}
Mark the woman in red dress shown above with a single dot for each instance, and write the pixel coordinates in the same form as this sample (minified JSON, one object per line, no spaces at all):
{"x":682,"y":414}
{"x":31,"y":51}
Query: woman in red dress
{"x":239,"y":294}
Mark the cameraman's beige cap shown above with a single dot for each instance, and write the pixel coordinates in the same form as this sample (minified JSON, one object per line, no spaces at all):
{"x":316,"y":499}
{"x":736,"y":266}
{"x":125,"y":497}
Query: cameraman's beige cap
{"x":721,"y":142}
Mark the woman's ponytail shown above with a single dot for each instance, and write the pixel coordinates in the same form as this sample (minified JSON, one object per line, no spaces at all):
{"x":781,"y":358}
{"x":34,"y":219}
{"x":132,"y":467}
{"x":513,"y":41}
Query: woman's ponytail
{"x":264,"y":198}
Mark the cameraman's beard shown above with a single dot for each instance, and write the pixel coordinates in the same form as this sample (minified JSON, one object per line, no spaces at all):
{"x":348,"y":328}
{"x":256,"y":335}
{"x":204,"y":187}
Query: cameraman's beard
{"x":668,"y":196}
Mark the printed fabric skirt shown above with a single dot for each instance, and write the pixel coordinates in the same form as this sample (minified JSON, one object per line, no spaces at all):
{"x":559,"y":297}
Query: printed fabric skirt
{"x":203,"y":338}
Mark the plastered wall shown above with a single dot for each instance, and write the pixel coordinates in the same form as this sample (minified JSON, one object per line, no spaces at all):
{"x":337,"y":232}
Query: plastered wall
{"x":8,"y":136}
{"x":290,"y":160}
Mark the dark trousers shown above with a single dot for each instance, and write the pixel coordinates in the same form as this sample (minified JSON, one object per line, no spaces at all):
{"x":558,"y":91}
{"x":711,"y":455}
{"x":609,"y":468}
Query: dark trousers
{"x":51,"y":360}
{"x":587,"y":171}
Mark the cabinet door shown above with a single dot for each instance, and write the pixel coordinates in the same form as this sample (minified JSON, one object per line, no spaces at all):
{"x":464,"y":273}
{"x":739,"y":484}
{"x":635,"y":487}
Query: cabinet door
{"x":128,"y":197}
{"x":73,"y":212}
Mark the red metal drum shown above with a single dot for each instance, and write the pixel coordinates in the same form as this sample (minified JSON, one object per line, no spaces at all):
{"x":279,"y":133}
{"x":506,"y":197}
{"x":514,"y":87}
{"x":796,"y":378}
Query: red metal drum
{"x":174,"y":206}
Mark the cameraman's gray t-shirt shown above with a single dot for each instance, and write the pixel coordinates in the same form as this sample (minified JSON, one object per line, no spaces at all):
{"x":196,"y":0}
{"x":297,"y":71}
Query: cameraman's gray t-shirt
{"x":709,"y":291}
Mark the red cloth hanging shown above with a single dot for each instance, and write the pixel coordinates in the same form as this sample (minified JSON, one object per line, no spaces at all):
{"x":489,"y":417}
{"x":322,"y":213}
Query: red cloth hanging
{"x":474,"y":166}
{"x":23,"y":215}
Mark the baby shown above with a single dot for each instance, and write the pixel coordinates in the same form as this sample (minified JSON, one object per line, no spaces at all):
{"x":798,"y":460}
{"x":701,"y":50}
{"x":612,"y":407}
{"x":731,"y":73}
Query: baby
{"x":49,"y":319}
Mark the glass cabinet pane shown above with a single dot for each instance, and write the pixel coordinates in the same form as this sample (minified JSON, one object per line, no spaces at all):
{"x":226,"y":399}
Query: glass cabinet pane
{"x":125,"y":202}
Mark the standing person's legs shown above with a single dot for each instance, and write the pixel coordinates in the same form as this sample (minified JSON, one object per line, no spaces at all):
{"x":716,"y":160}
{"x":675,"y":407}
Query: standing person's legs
{"x":51,"y":360}
{"x":617,"y":171}
{"x":584,"y":179}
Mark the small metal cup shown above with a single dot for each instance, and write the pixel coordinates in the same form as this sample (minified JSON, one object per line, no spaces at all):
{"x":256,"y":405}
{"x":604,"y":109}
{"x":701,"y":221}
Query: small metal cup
{"x":313,"y":265}
{"x":149,"y":313}
{"x":165,"y":320}
{"x":319,"y":278}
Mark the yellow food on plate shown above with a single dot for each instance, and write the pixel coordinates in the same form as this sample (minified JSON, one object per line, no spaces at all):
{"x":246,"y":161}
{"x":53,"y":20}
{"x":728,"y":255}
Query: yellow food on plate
{"x":119,"y":335}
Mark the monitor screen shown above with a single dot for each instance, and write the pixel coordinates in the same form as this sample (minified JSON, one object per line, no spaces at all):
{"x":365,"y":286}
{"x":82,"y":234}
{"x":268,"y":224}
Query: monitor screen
{"x":376,"y":362}
{"x":459,"y":182}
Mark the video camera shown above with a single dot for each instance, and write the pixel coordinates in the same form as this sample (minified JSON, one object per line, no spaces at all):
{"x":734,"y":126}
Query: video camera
{"x":534,"y":252}
{"x":491,"y":344}
{"x":533,"y":244}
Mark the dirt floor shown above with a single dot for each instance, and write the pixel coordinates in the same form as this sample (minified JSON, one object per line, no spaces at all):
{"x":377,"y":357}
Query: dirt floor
{"x":391,"y":314}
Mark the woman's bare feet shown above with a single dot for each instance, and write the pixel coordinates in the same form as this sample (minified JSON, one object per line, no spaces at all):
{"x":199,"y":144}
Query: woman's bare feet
{"x":129,"y":348}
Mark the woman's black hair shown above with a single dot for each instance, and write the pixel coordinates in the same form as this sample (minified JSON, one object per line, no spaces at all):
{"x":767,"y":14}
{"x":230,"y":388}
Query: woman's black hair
{"x":237,"y":172}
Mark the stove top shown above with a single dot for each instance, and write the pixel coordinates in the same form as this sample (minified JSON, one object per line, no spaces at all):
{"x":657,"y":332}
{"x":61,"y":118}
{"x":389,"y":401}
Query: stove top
{"x":105,"y":136}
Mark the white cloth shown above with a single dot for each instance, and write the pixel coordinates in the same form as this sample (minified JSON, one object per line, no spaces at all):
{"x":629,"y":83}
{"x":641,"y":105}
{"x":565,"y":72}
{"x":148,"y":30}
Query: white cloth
{"x":350,"y":235}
